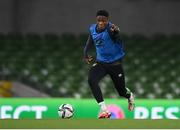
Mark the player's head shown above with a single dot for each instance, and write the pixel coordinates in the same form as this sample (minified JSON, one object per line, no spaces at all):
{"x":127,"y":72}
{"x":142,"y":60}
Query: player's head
{"x":102,"y":18}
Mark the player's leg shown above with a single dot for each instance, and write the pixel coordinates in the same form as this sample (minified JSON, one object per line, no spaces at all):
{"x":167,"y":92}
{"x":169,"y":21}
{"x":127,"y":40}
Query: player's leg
{"x":97,"y":72}
{"x":117,"y":75}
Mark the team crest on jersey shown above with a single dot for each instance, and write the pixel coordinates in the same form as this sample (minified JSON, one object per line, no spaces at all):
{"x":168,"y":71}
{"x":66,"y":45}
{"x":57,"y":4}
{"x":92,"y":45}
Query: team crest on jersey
{"x":99,"y":40}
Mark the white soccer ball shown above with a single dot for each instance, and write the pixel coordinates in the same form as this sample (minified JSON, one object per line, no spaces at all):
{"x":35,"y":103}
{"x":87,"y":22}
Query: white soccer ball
{"x":66,"y":111}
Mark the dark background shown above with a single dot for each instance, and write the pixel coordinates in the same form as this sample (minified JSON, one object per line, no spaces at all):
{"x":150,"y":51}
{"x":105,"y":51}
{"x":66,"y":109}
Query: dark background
{"x":132,"y":16}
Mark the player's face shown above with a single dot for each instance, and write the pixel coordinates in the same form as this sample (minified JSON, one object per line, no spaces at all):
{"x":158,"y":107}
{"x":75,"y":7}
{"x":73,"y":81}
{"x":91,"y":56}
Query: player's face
{"x":102,"y":22}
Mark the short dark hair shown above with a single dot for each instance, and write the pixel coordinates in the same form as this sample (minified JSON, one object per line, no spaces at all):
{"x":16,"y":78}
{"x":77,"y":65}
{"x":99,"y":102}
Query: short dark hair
{"x":102,"y":13}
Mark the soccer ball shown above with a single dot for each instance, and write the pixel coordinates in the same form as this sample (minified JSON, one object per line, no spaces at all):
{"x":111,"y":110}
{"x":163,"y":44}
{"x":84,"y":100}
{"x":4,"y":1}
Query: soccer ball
{"x":66,"y":111}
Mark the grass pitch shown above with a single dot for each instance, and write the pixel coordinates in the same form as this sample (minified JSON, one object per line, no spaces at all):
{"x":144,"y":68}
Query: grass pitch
{"x":88,"y":124}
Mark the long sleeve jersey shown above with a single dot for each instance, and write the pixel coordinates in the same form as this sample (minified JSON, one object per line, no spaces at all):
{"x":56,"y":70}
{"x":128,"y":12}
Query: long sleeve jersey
{"x":109,"y":46}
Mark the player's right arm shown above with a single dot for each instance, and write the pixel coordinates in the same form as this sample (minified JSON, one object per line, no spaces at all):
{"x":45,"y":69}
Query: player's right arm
{"x":89,"y":43}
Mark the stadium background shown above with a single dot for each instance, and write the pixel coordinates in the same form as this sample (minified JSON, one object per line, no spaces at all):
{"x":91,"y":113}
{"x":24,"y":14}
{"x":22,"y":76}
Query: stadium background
{"x":41,"y":57}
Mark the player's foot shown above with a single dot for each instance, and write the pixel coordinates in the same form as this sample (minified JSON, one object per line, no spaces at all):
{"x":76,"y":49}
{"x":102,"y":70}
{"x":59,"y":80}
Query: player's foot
{"x":131,"y":104}
{"x":104,"y":114}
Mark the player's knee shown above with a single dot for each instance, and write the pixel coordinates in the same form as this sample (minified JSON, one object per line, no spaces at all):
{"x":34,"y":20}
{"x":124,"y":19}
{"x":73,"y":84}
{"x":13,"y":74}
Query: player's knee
{"x":92,"y":81}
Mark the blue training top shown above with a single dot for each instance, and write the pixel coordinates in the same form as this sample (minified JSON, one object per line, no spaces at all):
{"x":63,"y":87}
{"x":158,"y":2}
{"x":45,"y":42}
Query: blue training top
{"x":107,"y":50}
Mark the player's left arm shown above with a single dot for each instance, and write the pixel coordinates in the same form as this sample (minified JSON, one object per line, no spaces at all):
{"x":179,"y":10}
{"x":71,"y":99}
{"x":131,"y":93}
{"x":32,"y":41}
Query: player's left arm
{"x":114,"y":33}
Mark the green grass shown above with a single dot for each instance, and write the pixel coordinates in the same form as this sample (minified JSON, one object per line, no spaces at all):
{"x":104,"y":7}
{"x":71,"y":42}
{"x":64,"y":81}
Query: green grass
{"x":89,"y":123}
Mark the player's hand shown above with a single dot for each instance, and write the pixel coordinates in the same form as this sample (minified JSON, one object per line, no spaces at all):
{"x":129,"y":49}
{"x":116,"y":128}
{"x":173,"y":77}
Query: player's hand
{"x":88,"y":59}
{"x":114,"y":28}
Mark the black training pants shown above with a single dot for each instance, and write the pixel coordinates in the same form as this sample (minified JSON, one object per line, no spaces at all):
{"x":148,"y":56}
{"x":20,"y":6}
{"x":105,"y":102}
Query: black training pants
{"x":115,"y":70}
